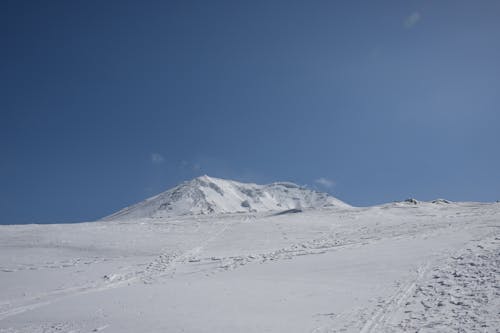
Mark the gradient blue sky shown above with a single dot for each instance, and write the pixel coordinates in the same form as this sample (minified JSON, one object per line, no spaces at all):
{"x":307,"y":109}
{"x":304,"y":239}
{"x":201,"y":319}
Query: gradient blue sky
{"x":105,"y":103}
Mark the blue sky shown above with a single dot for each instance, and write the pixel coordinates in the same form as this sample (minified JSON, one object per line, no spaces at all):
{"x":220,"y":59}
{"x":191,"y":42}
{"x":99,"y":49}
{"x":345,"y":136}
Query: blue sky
{"x":105,"y":103}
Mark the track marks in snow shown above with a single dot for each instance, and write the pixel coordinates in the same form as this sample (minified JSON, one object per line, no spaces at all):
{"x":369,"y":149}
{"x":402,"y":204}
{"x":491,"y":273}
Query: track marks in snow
{"x":387,"y":307}
{"x":53,"y":264}
{"x":162,"y":265}
{"x":461,"y":295}
{"x":57,"y":327}
{"x":330,"y":241}
{"x":316,"y":246}
{"x":165,"y":264}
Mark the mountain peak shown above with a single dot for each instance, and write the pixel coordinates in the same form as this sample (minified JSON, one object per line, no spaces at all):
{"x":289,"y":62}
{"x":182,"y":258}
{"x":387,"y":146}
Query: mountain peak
{"x":205,"y":178}
{"x":210,"y":195}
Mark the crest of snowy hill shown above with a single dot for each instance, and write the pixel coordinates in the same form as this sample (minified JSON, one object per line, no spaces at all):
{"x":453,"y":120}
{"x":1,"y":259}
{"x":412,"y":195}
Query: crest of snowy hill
{"x":208,"y":195}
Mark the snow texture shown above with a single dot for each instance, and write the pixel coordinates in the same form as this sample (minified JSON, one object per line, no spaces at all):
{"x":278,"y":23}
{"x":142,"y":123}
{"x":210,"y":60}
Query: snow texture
{"x":209,"y":195}
{"x":400,"y":267}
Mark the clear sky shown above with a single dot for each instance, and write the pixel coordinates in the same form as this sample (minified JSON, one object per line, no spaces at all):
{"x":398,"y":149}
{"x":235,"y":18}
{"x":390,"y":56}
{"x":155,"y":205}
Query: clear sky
{"x":104,"y":103}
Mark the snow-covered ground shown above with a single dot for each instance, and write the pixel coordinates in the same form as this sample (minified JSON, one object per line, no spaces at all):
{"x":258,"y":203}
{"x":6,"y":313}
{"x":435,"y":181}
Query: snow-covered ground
{"x":400,"y":267}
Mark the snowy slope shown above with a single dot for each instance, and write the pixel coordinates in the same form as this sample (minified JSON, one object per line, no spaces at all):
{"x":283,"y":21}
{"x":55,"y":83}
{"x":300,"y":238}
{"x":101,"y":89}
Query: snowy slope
{"x":207,"y":195}
{"x":400,"y":267}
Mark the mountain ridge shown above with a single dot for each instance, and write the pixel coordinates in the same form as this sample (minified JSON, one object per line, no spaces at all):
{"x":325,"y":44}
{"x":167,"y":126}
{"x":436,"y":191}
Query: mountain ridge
{"x":209,"y":195}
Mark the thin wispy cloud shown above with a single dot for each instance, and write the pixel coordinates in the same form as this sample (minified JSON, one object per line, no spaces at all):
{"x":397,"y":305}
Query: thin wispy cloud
{"x":188,"y":166}
{"x":325,"y":182}
{"x":157,"y":158}
{"x":411,"y":20}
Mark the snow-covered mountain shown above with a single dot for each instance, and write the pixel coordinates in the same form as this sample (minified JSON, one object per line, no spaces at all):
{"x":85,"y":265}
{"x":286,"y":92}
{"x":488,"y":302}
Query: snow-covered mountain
{"x":207,"y":195}
{"x":409,"y":266}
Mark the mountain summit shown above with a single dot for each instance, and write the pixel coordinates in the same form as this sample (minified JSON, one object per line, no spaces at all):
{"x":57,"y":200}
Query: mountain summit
{"x":207,"y":195}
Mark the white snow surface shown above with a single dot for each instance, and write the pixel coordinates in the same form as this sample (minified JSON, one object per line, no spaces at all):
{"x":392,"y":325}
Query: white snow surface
{"x":399,"y":267}
{"x":210,"y":195}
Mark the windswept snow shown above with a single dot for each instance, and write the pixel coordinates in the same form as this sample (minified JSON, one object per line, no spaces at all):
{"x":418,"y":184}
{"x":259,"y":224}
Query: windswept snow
{"x":461,"y":294}
{"x":399,"y":267}
{"x":209,"y":195}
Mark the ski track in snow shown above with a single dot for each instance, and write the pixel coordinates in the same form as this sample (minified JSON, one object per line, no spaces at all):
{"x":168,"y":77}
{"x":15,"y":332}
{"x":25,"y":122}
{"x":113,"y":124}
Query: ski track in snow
{"x":388,"y":307}
{"x":162,"y":265}
{"x":461,"y":294}
{"x":436,"y":297}
{"x":329,"y":242}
